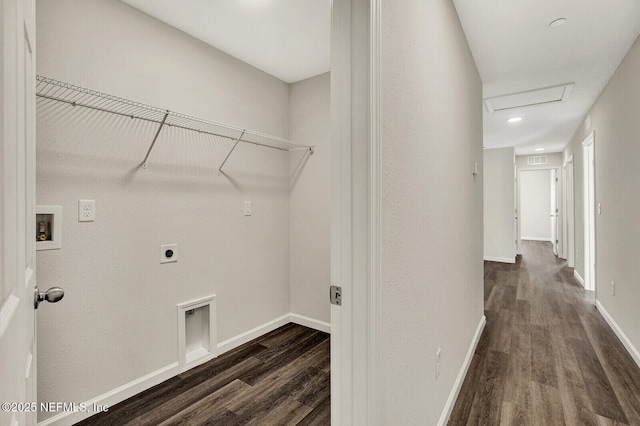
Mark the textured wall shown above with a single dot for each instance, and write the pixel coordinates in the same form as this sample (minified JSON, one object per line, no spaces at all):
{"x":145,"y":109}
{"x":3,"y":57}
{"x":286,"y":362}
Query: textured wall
{"x":117,"y":321}
{"x":310,"y":199}
{"x":614,"y":118}
{"x":499,"y":203}
{"x":432,"y":247}
{"x":535,"y":204}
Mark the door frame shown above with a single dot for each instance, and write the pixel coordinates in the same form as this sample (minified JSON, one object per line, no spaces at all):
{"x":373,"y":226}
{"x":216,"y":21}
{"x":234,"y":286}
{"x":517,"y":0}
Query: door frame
{"x":589,"y":211}
{"x":355,"y":220}
{"x":555,"y":208}
{"x":519,"y":205}
{"x":569,"y":208}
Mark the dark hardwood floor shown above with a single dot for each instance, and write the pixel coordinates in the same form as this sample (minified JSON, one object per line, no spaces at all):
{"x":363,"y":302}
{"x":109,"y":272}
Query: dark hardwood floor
{"x":546,"y":356}
{"x":281,"y":378}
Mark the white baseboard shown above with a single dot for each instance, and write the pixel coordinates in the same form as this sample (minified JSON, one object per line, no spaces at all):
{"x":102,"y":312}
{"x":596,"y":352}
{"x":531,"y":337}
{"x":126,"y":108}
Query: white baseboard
{"x":578,"y":277}
{"x":115,"y":396}
{"x":500,"y":259}
{"x":248,"y":336}
{"x":633,"y":351}
{"x":134,"y":387}
{"x":311,"y":323}
{"x":546,"y":240}
{"x":455,"y":391}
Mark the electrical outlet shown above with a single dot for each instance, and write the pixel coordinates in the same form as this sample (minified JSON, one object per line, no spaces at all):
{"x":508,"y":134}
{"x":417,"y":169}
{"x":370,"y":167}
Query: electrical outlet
{"x":613,"y":288}
{"x":86,"y":210}
{"x":247,"y":208}
{"x":438,"y":353}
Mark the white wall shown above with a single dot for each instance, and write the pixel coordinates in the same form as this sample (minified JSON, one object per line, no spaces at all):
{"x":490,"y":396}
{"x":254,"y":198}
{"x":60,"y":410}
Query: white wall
{"x":310,"y":200}
{"x":432,"y":249}
{"x":499,"y":205}
{"x":535,"y":205}
{"x":614,"y":118}
{"x":117,"y":321}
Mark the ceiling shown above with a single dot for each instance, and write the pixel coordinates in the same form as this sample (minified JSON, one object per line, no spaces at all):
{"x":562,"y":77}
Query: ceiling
{"x":512,"y":43}
{"x":516,"y":50}
{"x":288,"y":39}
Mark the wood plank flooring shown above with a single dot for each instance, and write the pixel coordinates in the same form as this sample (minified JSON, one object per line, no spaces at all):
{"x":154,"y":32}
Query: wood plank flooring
{"x":281,"y":378}
{"x":546,"y":356}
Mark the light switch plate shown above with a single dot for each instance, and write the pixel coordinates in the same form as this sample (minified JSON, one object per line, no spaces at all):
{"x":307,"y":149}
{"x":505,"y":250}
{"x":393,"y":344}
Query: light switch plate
{"x":247,"y":208}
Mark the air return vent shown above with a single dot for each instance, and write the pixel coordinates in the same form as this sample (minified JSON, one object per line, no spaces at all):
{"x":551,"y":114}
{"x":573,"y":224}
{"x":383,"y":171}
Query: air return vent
{"x":537,"y":160}
{"x":547,"y":95}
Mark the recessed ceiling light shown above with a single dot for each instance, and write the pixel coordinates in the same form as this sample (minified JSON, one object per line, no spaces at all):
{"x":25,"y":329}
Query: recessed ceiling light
{"x":539,"y":149}
{"x":557,"y":22}
{"x":514,"y":119}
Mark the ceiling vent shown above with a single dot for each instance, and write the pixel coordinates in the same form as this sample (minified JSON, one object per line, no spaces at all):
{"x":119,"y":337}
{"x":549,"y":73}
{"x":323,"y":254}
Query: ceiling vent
{"x":547,"y":95}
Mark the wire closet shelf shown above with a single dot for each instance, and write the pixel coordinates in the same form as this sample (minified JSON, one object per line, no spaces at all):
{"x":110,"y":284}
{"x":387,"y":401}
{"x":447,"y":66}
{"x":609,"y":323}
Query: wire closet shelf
{"x":76,"y":96}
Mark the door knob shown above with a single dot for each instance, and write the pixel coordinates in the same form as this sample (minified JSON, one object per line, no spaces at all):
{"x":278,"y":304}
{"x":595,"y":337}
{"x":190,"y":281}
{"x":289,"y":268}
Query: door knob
{"x":53,"y":295}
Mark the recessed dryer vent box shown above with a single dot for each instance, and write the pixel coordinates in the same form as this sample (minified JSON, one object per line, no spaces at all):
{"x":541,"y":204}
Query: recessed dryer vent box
{"x":197,"y":341}
{"x":48,"y":227}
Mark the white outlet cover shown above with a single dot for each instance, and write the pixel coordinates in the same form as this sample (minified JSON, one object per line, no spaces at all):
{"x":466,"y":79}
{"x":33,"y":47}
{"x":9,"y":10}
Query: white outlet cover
{"x":168,"y":253}
{"x":86,"y":210}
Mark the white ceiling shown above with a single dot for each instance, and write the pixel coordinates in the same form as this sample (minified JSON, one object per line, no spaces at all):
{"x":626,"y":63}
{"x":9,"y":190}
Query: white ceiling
{"x":513,"y":46}
{"x":516,"y":50}
{"x":288,"y":39}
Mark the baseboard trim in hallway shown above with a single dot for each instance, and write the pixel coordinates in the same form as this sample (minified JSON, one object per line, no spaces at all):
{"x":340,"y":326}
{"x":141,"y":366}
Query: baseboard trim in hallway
{"x":500,"y":259}
{"x":578,"y":277}
{"x":455,"y":391}
{"x":633,"y":351}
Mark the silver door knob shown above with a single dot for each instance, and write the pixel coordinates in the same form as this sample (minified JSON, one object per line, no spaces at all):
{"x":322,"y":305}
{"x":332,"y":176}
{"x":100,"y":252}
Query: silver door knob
{"x":53,"y":295}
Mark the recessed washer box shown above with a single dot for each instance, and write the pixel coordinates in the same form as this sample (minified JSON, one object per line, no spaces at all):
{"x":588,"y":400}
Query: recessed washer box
{"x":48,"y":227}
{"x":168,"y":253}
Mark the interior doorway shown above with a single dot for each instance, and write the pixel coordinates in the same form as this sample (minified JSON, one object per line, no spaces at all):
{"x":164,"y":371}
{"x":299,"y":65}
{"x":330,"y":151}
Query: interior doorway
{"x":588,"y":169}
{"x":569,"y":234}
{"x":538,"y":210}
{"x":553,"y":211}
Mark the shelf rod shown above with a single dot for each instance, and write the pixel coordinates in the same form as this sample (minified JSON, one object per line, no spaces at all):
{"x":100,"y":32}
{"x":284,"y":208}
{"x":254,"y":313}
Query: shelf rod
{"x":155,"y":138}
{"x":227,"y":157}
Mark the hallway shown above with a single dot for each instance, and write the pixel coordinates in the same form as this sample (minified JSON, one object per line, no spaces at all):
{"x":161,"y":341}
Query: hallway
{"x":546,"y":355}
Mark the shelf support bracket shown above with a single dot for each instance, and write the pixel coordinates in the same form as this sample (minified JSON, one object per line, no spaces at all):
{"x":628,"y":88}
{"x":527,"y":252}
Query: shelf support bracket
{"x":155,"y":138}
{"x":229,"y":154}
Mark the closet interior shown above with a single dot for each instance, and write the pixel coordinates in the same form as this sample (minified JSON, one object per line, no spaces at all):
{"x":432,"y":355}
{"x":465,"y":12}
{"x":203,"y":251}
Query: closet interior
{"x":204,"y":235}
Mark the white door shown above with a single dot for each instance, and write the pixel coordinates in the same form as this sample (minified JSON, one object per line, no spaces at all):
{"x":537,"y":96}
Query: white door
{"x":553,"y":214}
{"x":17,"y":214}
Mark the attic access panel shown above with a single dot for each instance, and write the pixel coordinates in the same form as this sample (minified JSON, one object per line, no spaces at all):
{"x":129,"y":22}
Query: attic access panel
{"x":529,"y":98}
